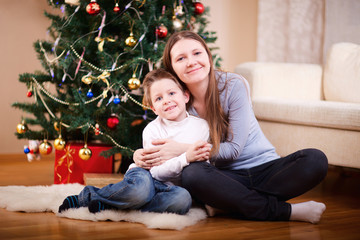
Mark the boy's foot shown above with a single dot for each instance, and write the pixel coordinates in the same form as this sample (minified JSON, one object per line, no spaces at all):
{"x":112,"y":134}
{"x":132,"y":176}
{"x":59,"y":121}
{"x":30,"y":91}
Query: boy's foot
{"x":97,"y":206}
{"x":69,"y":202}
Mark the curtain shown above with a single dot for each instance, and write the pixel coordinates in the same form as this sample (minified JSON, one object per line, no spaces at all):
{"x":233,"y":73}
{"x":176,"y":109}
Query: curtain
{"x":342,"y":22}
{"x":290,"y":31}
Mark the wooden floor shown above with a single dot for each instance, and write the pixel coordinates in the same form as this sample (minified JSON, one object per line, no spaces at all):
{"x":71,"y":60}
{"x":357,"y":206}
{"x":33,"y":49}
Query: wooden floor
{"x":340,"y":192}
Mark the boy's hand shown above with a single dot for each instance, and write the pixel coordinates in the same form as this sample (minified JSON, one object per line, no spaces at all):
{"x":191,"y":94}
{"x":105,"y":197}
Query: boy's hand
{"x":200,"y":151}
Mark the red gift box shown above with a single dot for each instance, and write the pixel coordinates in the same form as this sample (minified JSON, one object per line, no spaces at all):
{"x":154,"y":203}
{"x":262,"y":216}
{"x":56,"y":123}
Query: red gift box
{"x":70,"y":168}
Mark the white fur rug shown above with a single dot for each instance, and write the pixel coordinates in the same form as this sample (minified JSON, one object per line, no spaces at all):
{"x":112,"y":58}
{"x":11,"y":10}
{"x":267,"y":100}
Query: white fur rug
{"x":49,"y":198}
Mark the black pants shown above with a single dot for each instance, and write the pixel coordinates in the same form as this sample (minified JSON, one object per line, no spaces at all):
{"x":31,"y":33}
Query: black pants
{"x":259,"y":193}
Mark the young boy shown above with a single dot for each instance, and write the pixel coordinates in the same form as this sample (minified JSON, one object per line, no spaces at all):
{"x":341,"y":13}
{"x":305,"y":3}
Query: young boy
{"x":155,"y":190}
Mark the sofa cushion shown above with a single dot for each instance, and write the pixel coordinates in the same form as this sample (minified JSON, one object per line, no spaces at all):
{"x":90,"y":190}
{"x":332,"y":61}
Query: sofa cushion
{"x":342,"y":73}
{"x":283,"y":80}
{"x":312,"y":113}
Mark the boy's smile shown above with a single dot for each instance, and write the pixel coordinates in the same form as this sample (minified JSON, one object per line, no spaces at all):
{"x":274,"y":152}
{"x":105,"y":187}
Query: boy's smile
{"x":168,"y":100}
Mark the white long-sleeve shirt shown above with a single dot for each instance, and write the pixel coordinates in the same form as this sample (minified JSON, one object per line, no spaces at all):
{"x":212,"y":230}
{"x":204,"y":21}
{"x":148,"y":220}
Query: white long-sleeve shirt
{"x":189,"y":130}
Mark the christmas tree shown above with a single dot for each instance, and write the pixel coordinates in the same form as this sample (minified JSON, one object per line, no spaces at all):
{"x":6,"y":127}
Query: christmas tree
{"x":99,"y":52}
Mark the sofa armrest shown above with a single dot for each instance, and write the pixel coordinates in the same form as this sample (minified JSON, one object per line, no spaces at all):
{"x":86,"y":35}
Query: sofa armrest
{"x":297,"y":81}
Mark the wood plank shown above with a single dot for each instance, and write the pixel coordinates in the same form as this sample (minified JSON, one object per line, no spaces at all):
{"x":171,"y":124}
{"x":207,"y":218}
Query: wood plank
{"x":340,"y":192}
{"x":102,"y":179}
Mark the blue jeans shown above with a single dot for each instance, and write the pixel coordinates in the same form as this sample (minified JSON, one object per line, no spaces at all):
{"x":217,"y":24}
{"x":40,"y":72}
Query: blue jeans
{"x":139,"y":191}
{"x":258,"y":193}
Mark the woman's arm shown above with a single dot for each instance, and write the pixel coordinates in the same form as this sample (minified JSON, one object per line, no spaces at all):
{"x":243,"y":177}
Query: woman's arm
{"x":163,"y":150}
{"x":237,"y":104}
{"x":200,"y":151}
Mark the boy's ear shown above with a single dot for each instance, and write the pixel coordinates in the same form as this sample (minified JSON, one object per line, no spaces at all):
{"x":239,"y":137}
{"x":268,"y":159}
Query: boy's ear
{"x":153,"y":109}
{"x":187,"y":96}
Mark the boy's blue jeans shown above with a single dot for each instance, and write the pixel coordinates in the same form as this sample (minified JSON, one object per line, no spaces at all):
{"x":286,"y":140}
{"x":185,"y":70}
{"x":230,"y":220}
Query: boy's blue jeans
{"x":139,"y":191}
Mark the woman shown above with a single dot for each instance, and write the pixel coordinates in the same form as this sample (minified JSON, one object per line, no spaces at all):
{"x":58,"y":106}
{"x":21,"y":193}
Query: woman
{"x":246,"y":176}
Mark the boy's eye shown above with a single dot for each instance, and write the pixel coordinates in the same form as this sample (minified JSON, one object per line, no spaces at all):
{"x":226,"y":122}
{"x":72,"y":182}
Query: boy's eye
{"x":172,"y":93}
{"x":157,"y":99}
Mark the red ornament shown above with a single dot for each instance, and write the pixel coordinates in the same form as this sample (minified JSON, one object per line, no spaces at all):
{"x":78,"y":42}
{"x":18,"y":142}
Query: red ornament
{"x":161,"y":31}
{"x":29,"y":94}
{"x":199,"y":8}
{"x":93,"y":8}
{"x":112,"y":121}
{"x":116,"y":8}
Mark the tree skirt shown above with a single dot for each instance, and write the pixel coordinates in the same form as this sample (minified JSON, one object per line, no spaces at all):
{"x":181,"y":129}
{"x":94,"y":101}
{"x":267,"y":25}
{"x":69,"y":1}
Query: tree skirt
{"x":49,"y":198}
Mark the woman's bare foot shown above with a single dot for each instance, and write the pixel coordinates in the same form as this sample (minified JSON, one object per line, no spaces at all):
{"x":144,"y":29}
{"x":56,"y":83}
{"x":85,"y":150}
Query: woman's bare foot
{"x":213,"y":211}
{"x":310,"y":211}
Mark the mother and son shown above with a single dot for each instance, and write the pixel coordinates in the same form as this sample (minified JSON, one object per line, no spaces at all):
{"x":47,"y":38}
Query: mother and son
{"x":206,"y":145}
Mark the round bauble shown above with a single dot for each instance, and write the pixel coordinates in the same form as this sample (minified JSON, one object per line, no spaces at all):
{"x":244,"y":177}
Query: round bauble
{"x":117,"y":100}
{"x":45,"y":148}
{"x":199,"y":8}
{"x":130,"y":41}
{"x":112,"y":121}
{"x":161,"y":31}
{"x":21,"y":127}
{"x":116,"y":8}
{"x":29,"y":94}
{"x":26,"y":150}
{"x":89,"y":94}
{"x":93,"y":8}
{"x":134,"y":83}
{"x":177,"y":24}
{"x":85,"y":153}
{"x":59,"y":143}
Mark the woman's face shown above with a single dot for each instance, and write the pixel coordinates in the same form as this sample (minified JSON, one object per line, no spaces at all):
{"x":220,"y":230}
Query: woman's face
{"x":190,"y":61}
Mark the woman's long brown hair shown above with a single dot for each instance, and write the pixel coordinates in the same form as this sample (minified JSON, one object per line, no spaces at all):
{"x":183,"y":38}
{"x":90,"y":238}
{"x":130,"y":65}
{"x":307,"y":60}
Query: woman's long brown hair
{"x":215,"y":116}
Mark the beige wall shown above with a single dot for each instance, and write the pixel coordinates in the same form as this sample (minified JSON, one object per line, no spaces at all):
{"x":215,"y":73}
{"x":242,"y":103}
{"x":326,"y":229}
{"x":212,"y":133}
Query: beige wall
{"x":22,"y":22}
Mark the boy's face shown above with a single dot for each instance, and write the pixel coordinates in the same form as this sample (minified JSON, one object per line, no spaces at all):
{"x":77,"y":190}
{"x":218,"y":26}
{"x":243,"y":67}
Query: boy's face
{"x":168,"y":100}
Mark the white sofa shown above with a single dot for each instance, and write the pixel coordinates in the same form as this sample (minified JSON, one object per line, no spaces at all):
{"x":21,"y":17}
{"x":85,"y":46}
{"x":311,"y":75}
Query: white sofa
{"x":310,"y":106}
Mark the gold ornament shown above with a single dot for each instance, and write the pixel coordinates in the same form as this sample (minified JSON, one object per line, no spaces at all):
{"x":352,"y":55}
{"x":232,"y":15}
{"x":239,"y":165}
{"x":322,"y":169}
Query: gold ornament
{"x":59,"y":143}
{"x":85,"y":153}
{"x":57,"y":126}
{"x":101,"y":42}
{"x":87,"y":79}
{"x":177,"y":24}
{"x":130,"y":41}
{"x":21,"y":127}
{"x":45,"y":148}
{"x":134,"y":83}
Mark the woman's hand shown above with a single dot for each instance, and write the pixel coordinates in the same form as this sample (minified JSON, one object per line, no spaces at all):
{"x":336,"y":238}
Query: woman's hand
{"x":139,"y":158}
{"x":200,"y":151}
{"x":163,"y":150}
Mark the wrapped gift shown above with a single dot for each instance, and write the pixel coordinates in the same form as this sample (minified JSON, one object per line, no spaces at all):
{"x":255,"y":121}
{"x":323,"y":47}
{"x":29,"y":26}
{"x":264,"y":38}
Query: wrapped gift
{"x":70,"y":168}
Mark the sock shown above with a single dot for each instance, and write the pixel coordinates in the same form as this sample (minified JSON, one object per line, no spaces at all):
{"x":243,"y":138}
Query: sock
{"x":307,"y":211}
{"x":97,"y":206}
{"x":70,"y":202}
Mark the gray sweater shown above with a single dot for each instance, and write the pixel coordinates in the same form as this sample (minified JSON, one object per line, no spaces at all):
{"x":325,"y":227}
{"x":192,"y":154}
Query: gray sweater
{"x":246,"y":146}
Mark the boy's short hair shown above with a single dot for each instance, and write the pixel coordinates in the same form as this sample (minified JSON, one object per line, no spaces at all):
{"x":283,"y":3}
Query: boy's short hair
{"x":153,"y":76}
